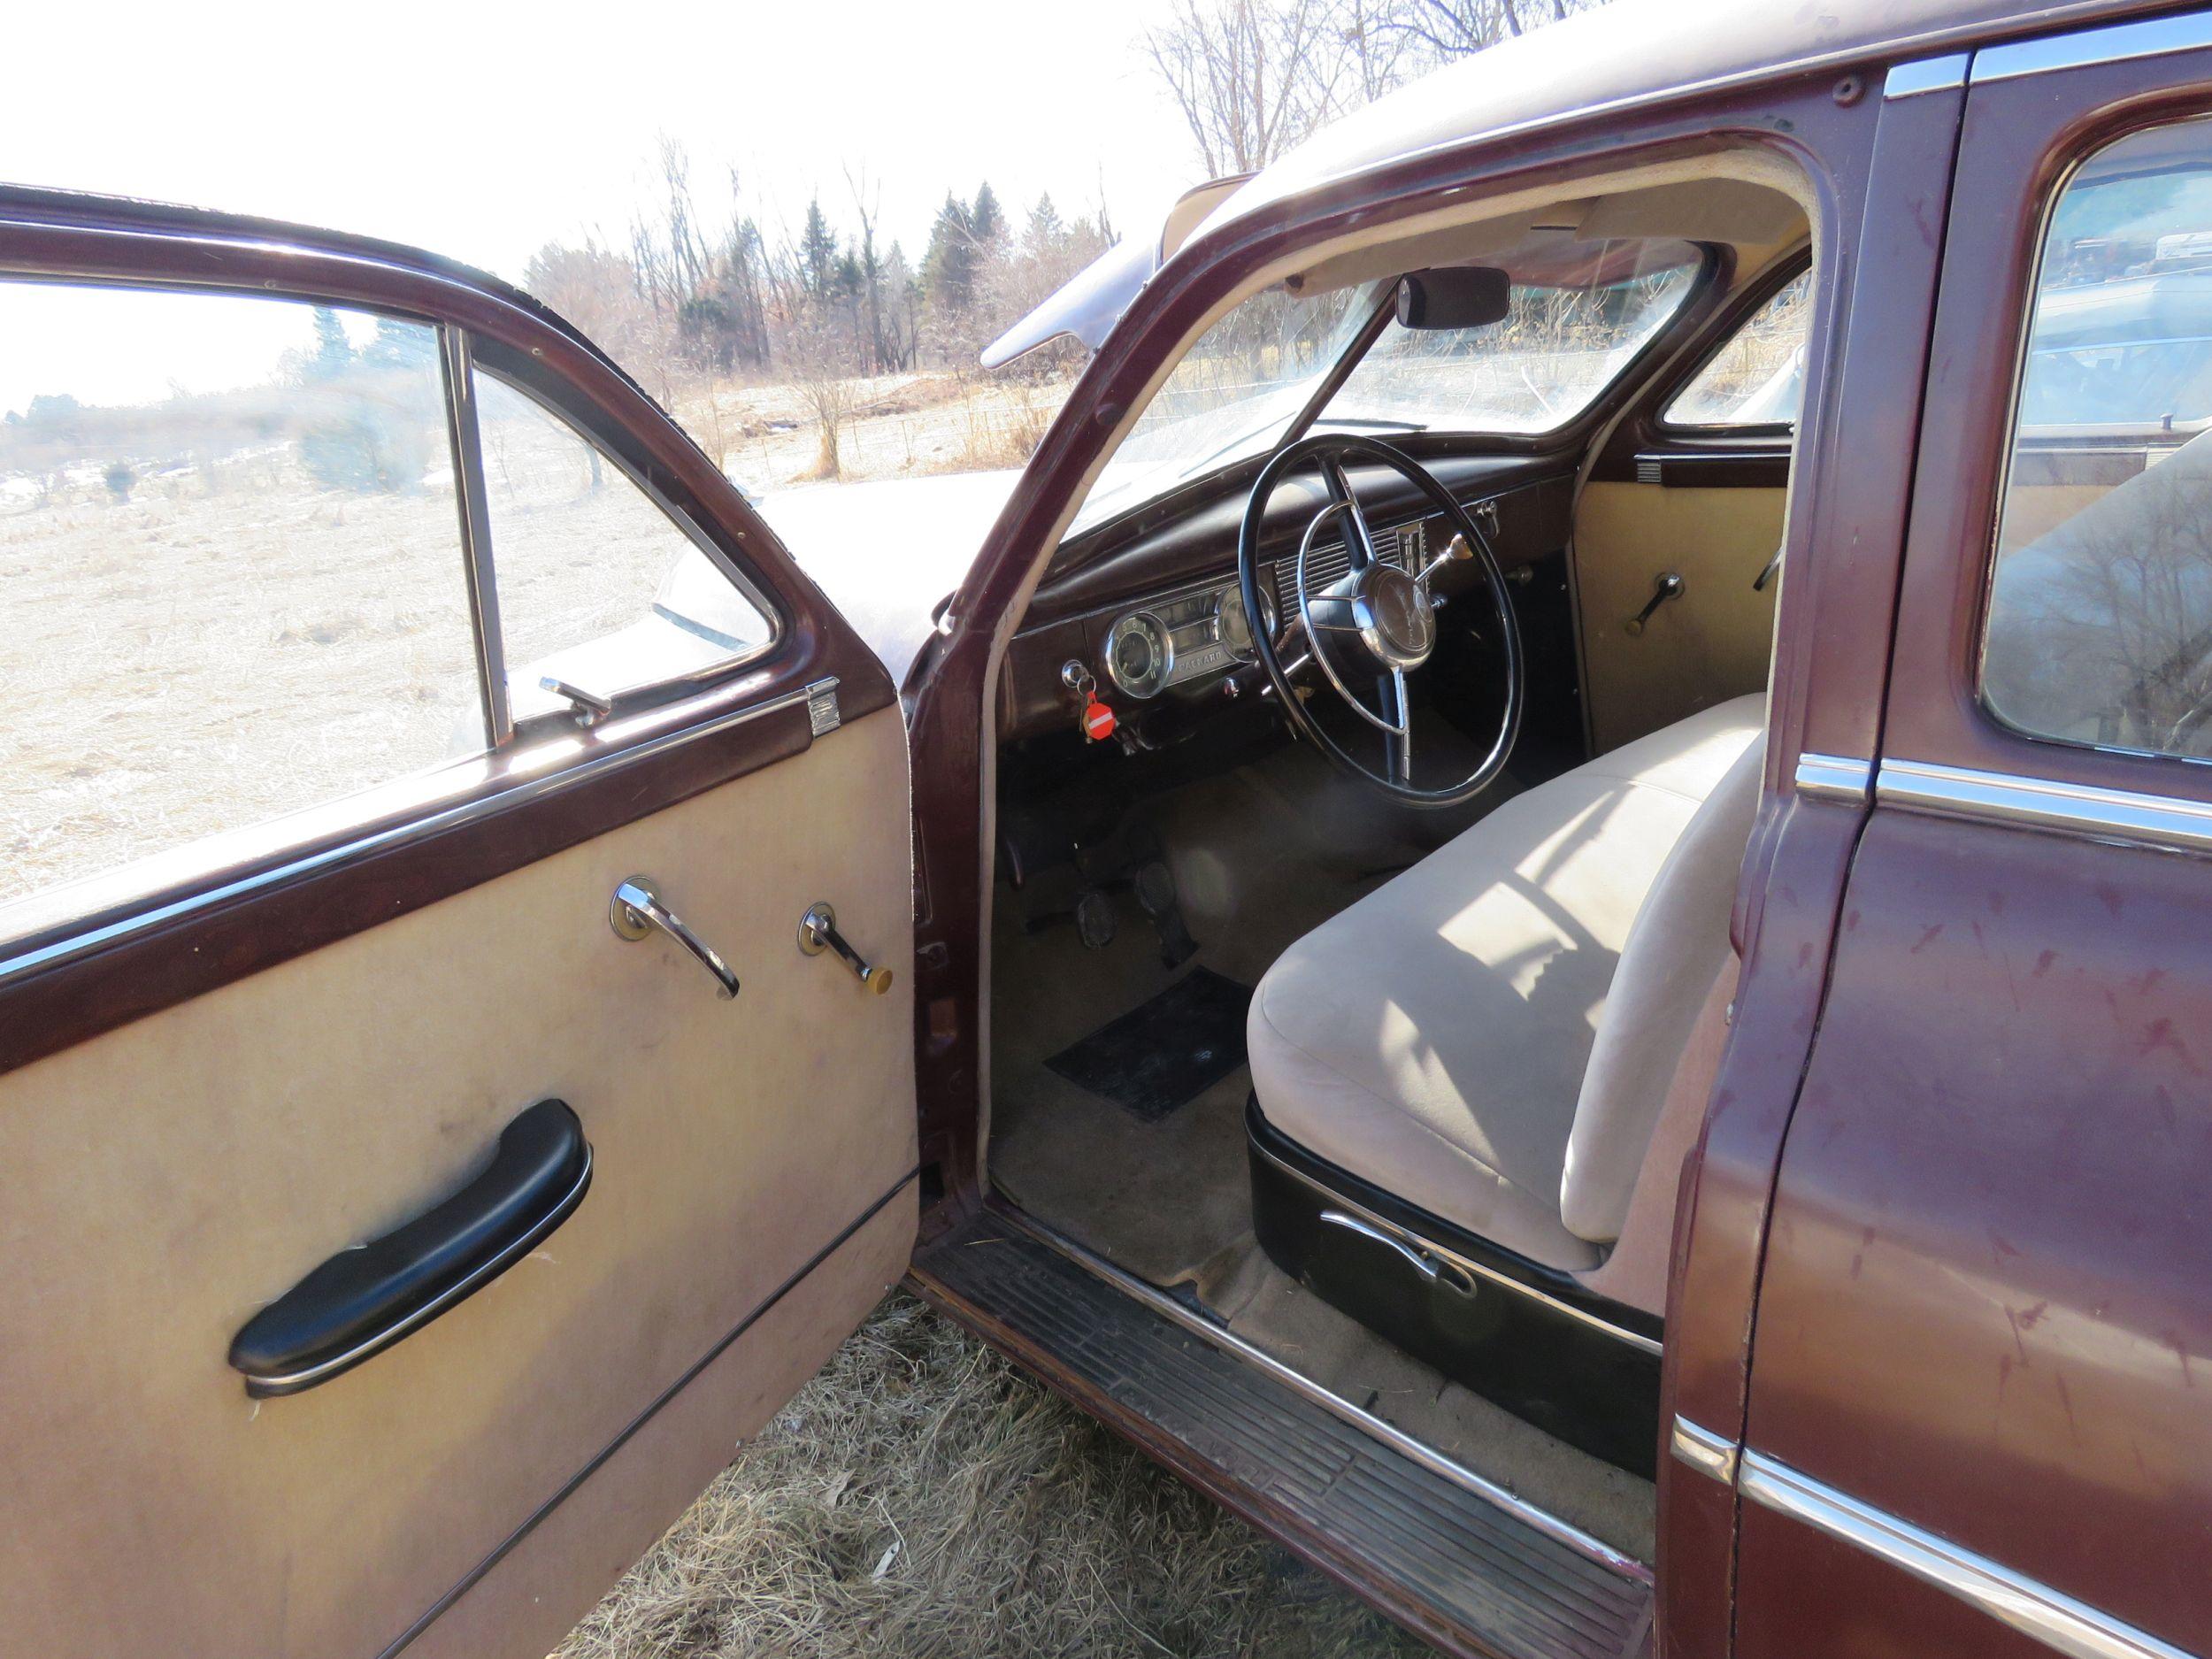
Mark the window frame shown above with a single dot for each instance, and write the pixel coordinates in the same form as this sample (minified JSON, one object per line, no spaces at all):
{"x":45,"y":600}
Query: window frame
{"x":93,"y":243}
{"x":2010,"y":448}
{"x":1755,"y":300}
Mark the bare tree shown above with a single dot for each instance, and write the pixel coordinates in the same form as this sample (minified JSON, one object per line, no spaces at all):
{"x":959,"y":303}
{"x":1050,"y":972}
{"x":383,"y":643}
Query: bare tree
{"x":1251,"y":77}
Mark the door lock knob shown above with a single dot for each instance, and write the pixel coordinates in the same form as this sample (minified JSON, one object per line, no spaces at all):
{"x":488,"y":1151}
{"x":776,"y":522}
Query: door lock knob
{"x":818,"y":933}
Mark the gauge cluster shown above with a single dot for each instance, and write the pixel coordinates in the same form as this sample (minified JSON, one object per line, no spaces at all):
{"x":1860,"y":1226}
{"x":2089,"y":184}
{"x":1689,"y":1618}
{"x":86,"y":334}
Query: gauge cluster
{"x":1178,"y":640}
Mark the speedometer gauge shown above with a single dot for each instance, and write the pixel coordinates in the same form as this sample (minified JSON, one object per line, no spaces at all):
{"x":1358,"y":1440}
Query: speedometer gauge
{"x":1139,"y":654}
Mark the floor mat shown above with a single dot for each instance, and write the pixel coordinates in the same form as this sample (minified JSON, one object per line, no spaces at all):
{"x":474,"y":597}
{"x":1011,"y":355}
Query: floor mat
{"x":1165,"y":1053}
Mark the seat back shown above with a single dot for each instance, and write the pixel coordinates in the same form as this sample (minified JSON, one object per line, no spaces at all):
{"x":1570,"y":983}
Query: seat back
{"x":1675,"y":947}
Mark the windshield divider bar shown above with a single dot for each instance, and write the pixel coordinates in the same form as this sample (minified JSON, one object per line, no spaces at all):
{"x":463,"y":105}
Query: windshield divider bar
{"x":1340,"y":371}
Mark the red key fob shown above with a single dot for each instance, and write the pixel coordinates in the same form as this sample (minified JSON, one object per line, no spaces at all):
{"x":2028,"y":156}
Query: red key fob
{"x":1098,"y":721}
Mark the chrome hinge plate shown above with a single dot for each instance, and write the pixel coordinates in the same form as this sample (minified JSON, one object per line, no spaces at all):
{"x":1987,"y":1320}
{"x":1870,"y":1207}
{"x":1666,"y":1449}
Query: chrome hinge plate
{"x":821,"y":707}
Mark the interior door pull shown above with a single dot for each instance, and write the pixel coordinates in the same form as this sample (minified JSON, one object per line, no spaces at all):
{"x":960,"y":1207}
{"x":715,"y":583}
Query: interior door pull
{"x":364,"y":1299}
{"x":636,"y":910}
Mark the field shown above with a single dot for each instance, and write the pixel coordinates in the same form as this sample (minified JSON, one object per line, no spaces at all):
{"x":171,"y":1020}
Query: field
{"x":921,"y":1500}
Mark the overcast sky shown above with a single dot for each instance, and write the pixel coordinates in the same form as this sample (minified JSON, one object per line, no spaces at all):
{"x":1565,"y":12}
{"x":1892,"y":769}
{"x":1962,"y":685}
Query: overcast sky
{"x":481,"y":134}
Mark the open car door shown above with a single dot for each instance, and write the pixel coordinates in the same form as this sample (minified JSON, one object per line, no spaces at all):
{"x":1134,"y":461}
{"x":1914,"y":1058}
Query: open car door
{"x":431,"y":1135}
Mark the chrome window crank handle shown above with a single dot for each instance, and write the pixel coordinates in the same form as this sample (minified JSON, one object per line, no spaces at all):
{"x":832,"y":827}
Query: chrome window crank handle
{"x":818,"y":933}
{"x":636,"y":910}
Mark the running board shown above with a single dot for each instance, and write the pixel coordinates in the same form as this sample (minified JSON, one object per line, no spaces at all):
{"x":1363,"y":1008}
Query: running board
{"x":1472,"y":1570}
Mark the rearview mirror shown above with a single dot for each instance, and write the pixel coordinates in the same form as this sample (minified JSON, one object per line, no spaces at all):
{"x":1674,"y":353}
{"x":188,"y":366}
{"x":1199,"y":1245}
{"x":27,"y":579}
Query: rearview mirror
{"x":1454,"y":296}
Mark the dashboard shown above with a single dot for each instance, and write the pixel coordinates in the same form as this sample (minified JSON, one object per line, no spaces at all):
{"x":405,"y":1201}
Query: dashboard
{"x":1160,"y":620}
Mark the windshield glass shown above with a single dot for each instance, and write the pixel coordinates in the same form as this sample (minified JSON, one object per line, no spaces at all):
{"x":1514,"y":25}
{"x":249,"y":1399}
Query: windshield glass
{"x":1580,"y":312}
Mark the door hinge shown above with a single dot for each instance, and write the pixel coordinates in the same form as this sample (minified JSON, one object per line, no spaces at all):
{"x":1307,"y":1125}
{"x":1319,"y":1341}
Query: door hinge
{"x":821,"y":707}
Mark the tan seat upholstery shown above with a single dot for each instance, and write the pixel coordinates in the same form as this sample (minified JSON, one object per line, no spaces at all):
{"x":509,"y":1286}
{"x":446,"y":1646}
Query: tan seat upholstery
{"x":1490,"y":1036}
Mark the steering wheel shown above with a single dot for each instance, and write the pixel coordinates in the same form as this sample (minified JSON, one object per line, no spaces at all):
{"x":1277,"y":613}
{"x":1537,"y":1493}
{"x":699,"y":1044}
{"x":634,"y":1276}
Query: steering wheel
{"x":1376,"y":623}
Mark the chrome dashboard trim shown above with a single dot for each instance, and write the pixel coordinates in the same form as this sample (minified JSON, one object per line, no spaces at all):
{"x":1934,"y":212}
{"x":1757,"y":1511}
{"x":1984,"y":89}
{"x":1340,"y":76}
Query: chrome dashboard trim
{"x":1406,"y":1445}
{"x":2112,"y":43}
{"x":1461,"y":1263}
{"x":2044,"y":1614}
{"x":2075,"y":808}
{"x":1834,"y":777}
{"x":1917,"y":75}
{"x":1708,"y":1453}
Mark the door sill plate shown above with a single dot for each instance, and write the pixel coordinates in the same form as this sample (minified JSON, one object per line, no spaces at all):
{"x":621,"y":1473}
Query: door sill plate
{"x":1475,"y":1570}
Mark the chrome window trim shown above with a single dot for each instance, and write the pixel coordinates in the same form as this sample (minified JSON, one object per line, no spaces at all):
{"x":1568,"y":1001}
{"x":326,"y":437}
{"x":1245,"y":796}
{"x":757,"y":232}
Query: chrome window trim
{"x":2036,"y":1610}
{"x":2077,"y":808}
{"x":649,"y":733}
{"x":457,"y":356}
{"x":1467,"y":1264}
{"x":1438,"y":1463}
{"x":2114,"y":43}
{"x":1834,"y":777}
{"x":1926,"y":75}
{"x":1708,"y":1453}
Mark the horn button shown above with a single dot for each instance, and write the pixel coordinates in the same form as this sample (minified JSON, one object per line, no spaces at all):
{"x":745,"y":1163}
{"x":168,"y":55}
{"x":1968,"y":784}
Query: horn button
{"x":1391,"y":613}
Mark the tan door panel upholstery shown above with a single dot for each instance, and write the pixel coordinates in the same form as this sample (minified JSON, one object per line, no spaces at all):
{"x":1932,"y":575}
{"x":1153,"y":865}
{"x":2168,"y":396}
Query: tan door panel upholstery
{"x":1709,"y":644}
{"x":165,"y":1180}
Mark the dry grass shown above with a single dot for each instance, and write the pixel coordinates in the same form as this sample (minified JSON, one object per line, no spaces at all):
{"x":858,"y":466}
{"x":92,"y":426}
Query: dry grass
{"x":921,"y":1498}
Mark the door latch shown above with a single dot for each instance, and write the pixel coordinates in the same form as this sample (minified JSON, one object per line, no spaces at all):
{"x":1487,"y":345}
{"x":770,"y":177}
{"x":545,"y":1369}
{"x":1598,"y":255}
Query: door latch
{"x":636,"y":910}
{"x":818,"y":933}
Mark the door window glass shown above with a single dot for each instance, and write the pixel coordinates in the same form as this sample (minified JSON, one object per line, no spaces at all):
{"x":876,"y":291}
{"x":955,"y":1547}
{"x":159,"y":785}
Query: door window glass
{"x":234,"y":584}
{"x":1757,"y":378}
{"x":2100,"y":619}
{"x":598,"y":587}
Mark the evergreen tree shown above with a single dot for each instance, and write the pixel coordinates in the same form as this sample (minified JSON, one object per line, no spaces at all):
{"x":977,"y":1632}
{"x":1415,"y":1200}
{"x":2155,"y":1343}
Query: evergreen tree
{"x":1045,"y":233}
{"x":817,"y":250}
{"x":334,"y":353}
{"x":985,"y":221}
{"x":949,"y":263}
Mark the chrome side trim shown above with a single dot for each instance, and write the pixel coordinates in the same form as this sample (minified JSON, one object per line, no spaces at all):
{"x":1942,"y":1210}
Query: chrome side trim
{"x":2076,"y":808}
{"x":823,"y":715}
{"x":1835,"y":778}
{"x":2115,"y":43}
{"x":2044,"y":1614}
{"x":654,"y":740}
{"x":275,"y":1385}
{"x":1465,"y":1264}
{"x":1925,"y":75}
{"x":1704,"y":1451}
{"x":1435,"y":1462}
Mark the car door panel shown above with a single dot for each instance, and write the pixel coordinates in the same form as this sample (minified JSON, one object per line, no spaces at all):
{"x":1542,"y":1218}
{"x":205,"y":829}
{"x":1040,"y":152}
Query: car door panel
{"x":169,"y":1176}
{"x":221,"y":1069}
{"x":1976,"y":1365}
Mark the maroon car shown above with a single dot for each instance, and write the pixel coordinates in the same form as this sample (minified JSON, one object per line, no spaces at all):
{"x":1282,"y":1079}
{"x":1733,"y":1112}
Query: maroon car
{"x":1548,"y":923}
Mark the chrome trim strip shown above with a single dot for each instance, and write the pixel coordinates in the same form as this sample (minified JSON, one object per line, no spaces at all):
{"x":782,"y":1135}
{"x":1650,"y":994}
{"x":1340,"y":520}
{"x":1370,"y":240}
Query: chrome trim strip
{"x":474,"y":502}
{"x":2115,"y":43}
{"x":1925,"y":75}
{"x":1835,"y":778}
{"x":2077,"y":808}
{"x":2036,"y":1611}
{"x":1396,"y":1439}
{"x":672,"y":715}
{"x":1466,"y":1264}
{"x":275,"y":1385}
{"x":1704,"y":1451}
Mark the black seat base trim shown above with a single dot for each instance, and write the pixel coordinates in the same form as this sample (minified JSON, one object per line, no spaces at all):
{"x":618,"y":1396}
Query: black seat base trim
{"x":1520,"y":1334}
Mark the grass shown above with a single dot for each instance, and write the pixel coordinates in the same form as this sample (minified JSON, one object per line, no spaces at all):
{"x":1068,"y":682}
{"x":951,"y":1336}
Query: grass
{"x":921,"y":1498}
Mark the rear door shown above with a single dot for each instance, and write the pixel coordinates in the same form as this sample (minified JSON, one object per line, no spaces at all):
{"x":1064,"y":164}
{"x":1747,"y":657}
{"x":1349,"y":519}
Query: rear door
{"x":402,"y":1221}
{"x":1976,"y":1418}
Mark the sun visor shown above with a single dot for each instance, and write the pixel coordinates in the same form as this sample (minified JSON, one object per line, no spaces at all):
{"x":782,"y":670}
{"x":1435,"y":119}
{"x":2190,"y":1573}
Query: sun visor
{"x":1088,"y":305}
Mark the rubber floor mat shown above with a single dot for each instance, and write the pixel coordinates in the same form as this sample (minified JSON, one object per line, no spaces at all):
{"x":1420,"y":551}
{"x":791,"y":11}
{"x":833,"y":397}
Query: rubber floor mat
{"x":1165,"y":1053}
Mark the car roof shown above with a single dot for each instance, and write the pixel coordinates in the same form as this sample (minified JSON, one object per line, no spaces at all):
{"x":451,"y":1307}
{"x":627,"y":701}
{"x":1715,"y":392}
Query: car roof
{"x":1636,"y":53}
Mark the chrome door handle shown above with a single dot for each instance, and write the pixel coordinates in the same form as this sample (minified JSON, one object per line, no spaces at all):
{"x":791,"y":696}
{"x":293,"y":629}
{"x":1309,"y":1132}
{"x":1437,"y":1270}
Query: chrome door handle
{"x":636,"y":910}
{"x":1436,"y":1269}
